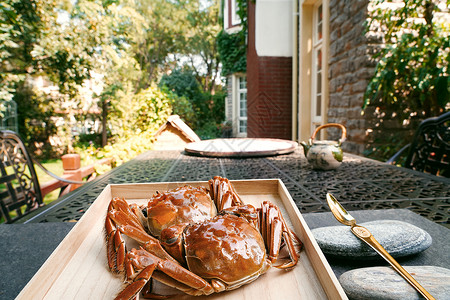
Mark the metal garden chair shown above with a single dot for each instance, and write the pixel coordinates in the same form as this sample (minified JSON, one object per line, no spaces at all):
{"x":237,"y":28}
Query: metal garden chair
{"x":20,"y":192}
{"x":429,"y":150}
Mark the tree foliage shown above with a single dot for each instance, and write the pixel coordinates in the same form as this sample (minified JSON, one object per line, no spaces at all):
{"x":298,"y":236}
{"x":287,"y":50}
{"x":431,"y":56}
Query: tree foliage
{"x":16,"y":38}
{"x":412,"y":74}
{"x":208,"y":108}
{"x":411,"y":80}
{"x":23,"y":23}
{"x":96,"y":56}
{"x":160,"y":35}
{"x":200,"y":45}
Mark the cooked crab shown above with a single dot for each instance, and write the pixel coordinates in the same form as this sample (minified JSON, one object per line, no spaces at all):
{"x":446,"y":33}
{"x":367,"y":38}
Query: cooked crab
{"x":186,"y":244}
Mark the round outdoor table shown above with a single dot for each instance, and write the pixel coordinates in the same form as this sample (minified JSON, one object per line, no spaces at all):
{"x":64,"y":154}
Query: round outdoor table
{"x":241,"y":147}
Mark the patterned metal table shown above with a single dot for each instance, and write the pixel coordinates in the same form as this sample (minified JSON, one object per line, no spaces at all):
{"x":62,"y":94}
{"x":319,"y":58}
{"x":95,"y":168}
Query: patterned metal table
{"x":359,"y":183}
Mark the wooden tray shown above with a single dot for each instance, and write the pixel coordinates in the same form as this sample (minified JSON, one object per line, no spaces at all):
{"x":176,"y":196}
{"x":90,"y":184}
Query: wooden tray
{"x":77,"y":269}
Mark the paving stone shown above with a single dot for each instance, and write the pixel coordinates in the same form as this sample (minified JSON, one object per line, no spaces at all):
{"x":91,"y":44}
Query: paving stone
{"x":379,"y":283}
{"x":397,"y":237}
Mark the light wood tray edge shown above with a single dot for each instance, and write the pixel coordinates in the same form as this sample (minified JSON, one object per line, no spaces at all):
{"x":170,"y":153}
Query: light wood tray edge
{"x":320,"y":264}
{"x":42,"y":281}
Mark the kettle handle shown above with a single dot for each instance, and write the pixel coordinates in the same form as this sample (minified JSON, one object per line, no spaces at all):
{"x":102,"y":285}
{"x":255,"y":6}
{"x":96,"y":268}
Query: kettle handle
{"x":342,"y":127}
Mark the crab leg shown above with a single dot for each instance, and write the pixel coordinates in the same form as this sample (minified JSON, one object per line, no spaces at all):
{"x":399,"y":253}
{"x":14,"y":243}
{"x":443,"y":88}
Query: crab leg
{"x":223,"y":193}
{"x":175,"y":275}
{"x":122,"y":219}
{"x":138,"y":283}
{"x":115,"y":246}
{"x":273,"y":228}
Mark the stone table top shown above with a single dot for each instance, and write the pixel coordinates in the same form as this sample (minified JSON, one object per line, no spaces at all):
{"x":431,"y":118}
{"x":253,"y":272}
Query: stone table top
{"x":24,"y":248}
{"x":438,"y":254}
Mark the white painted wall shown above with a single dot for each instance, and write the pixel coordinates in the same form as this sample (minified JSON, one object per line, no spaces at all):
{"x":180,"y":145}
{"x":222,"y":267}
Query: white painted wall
{"x":273,"y":27}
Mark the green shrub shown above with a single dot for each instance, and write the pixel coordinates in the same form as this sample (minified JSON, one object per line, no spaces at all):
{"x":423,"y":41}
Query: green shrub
{"x":151,"y":108}
{"x":184,"y":84}
{"x":218,"y":106}
{"x":208,"y":131}
{"x":204,"y":108}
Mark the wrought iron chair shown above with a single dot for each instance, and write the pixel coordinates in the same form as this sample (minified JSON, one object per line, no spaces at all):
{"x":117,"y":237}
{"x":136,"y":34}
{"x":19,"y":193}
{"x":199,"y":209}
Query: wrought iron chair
{"x":429,"y":150}
{"x":20,"y":192}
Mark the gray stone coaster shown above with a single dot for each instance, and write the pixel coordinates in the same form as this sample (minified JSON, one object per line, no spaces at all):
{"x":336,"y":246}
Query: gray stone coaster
{"x":385,"y":283}
{"x":397,"y":237}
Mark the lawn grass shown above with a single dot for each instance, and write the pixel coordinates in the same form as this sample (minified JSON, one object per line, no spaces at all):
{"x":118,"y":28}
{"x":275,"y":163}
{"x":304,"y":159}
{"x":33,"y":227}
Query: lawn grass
{"x":54,"y":166}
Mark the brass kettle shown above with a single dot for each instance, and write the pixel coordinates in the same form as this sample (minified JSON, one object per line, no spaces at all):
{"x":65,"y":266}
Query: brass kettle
{"x":325,"y":155}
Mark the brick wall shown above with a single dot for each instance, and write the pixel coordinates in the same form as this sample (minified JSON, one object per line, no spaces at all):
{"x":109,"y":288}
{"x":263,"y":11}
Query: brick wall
{"x":350,"y":69}
{"x":269,"y":85}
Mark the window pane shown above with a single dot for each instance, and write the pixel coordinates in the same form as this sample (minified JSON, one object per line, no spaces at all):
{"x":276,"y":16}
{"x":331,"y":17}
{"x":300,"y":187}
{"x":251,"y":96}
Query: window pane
{"x":242,"y":83}
{"x":235,"y":19}
{"x":319,"y":13}
{"x":319,"y":105}
{"x":319,"y":83}
{"x":317,"y":67}
{"x":242,"y":97}
{"x":243,"y":126}
{"x":319,"y":60}
{"x":319,"y":22}
{"x":242,"y":105}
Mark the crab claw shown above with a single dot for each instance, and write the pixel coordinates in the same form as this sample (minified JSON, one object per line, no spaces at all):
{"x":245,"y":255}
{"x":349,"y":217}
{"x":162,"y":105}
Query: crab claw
{"x":123,"y":219}
{"x":141,"y":265}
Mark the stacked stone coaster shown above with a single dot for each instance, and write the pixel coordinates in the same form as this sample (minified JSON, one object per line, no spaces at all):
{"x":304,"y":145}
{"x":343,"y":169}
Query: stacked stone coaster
{"x":380,"y":283}
{"x":397,"y":237}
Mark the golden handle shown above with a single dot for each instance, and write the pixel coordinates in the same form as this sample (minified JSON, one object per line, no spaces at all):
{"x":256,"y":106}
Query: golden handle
{"x":365,"y":235}
{"x":342,"y":127}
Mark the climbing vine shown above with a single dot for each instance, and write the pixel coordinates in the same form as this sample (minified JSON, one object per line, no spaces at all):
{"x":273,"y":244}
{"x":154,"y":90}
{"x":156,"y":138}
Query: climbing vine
{"x":232,"y":52}
{"x":232,"y":47}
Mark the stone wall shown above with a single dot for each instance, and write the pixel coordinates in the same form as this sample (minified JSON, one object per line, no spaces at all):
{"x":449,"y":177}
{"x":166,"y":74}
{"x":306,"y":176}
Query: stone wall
{"x":378,"y":132}
{"x":350,"y":69}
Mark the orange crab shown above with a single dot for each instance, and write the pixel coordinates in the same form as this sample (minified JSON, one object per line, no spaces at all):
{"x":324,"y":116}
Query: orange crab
{"x":186,"y":244}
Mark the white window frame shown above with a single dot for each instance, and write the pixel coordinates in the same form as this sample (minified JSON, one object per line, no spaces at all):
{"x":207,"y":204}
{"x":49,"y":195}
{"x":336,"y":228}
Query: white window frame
{"x":305,"y":63}
{"x":225,"y":14}
{"x":240,"y":118}
{"x":317,"y":45}
{"x":236,"y":91}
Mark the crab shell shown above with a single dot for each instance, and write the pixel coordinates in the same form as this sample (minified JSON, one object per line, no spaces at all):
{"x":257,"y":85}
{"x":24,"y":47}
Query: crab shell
{"x":226,"y":247}
{"x":182,"y":205}
{"x":221,"y":247}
